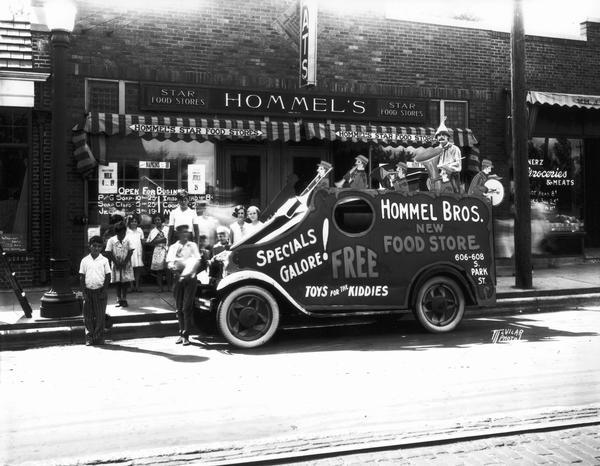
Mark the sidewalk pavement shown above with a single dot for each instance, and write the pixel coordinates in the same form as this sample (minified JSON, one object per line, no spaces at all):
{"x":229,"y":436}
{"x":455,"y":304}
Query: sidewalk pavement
{"x":152,"y":313}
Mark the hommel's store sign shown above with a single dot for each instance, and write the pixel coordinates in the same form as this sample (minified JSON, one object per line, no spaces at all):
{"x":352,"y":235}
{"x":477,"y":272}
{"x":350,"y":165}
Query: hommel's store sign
{"x":223,"y":101}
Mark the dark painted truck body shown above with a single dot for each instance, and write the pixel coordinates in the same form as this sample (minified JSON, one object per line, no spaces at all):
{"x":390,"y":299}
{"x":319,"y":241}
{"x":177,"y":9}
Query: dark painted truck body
{"x":348,"y":252}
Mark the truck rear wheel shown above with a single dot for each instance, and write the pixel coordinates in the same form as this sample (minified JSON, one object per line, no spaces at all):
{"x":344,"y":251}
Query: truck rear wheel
{"x":439,"y":304}
{"x":248,"y":316}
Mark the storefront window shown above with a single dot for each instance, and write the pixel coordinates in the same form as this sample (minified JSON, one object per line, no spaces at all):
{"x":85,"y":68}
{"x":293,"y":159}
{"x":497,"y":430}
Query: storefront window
{"x":14,"y":189}
{"x":143,"y":176}
{"x":556,"y":187}
{"x":456,"y":113}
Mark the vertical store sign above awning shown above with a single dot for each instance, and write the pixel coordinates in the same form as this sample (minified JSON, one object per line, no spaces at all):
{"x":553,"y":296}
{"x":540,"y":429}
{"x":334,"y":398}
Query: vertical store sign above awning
{"x":308,"y":43}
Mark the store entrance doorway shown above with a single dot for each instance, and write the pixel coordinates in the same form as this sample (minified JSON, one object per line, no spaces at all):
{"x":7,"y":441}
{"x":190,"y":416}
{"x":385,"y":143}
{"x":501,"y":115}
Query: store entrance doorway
{"x":302,"y":162}
{"x":245,"y":176}
{"x":592,"y":197}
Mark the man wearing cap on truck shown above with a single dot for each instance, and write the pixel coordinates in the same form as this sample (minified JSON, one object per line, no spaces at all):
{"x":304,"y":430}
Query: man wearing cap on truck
{"x":400,"y":184}
{"x":450,"y":159}
{"x":356,"y":176}
{"x":322,"y":169}
{"x":478,"y":187}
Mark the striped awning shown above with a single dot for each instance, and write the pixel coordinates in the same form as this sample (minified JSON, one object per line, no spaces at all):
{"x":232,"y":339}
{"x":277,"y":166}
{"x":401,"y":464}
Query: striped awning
{"x":176,"y":128}
{"x":393,"y":135}
{"x":564,"y":100}
{"x":96,"y":126}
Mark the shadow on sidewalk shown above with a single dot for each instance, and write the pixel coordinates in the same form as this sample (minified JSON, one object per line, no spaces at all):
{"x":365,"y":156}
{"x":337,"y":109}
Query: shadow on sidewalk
{"x":407,"y":335}
{"x":172,"y":357}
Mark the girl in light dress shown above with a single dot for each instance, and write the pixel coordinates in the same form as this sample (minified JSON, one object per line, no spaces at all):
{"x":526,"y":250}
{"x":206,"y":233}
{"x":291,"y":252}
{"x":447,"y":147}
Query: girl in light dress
{"x":239,"y":226}
{"x":158,"y":238}
{"x":119,"y":251}
{"x":255,"y":224}
{"x":136,"y":238}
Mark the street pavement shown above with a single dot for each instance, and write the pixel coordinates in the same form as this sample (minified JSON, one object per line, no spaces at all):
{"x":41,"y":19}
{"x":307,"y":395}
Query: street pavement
{"x":151,"y":313}
{"x":566,"y":446}
{"x":149,"y":401}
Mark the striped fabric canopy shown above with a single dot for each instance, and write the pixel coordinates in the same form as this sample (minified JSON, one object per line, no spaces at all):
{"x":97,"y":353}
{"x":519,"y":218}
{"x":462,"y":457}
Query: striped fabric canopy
{"x":396,"y":135}
{"x":98,"y":125}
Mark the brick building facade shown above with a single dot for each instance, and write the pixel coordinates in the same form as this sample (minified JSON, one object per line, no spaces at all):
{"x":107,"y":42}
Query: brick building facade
{"x":121,"y":56}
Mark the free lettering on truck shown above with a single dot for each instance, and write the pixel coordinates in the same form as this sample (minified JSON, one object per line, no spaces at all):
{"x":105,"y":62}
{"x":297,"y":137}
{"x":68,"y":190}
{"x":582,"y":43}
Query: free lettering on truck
{"x":339,"y":253}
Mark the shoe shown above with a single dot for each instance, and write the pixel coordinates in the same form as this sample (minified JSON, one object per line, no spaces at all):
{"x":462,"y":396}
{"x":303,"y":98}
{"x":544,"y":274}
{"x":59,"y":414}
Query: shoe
{"x":118,"y":303}
{"x":179,"y":340}
{"x":186,"y":342}
{"x":124,"y":303}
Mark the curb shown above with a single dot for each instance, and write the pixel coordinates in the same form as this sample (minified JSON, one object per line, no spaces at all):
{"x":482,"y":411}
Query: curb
{"x":70,"y":331}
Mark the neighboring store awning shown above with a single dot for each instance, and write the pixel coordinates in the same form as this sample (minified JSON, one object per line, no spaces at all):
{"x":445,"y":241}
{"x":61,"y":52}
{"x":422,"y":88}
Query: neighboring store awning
{"x":564,"y":100}
{"x":397,"y":135}
{"x":171,"y":128}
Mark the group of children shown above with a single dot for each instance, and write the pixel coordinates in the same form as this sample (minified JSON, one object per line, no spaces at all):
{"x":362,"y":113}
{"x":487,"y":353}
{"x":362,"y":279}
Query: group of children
{"x":179,"y":253}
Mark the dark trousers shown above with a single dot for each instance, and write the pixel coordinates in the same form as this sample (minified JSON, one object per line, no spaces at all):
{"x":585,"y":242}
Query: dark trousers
{"x":94,"y":312}
{"x":184,"y":292}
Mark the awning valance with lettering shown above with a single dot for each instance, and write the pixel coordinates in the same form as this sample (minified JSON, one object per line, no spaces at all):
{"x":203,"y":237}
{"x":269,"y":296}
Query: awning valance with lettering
{"x":564,"y":100}
{"x":394,"y":135}
{"x":97,"y":125}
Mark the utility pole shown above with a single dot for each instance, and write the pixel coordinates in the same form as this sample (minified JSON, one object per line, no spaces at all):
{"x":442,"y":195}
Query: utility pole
{"x":522,"y":231}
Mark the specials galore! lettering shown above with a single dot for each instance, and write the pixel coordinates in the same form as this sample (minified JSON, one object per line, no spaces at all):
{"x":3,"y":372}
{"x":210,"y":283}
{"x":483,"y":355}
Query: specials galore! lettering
{"x":292,"y":270}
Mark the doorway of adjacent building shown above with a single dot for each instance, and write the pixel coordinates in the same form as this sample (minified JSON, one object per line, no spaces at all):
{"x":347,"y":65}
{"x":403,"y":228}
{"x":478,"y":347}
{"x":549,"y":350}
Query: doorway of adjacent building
{"x":592,"y":197}
{"x":245,"y":176}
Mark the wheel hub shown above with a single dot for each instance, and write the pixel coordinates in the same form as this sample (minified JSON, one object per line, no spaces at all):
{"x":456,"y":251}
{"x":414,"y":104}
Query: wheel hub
{"x":248,"y":317}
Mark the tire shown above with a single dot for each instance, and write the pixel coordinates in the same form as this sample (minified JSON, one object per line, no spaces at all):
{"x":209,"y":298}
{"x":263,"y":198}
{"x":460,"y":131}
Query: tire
{"x":248,"y":317}
{"x":439,"y":305}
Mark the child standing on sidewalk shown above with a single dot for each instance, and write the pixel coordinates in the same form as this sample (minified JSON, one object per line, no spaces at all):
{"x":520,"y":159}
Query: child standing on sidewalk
{"x":119,"y":251}
{"x":94,"y":277}
{"x":136,"y":237}
{"x":183,"y":259}
{"x":158,"y":238}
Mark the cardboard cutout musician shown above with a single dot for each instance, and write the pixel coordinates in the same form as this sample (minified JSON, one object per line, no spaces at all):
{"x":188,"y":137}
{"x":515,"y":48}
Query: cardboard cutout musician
{"x":450,"y":159}
{"x":323,"y":168}
{"x":356,"y":177}
{"x":477,"y":186}
{"x":399,"y":183}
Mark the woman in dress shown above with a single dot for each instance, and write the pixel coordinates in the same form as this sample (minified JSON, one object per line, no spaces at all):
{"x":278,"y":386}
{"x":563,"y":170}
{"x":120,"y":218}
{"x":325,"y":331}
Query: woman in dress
{"x":119,"y":251}
{"x":255,"y":224}
{"x":158,"y":239}
{"x":136,"y":238}
{"x":238,"y":228}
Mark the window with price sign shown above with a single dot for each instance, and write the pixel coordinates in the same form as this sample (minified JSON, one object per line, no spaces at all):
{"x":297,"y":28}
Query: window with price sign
{"x":142,"y":176}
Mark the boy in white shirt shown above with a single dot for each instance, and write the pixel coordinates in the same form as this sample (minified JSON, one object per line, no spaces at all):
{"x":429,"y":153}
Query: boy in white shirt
{"x":94,"y":277}
{"x":183,"y":258}
{"x":182,"y":215}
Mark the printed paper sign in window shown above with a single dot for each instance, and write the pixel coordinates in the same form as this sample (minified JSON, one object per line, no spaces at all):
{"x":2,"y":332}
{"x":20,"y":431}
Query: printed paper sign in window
{"x":197,"y":179}
{"x":107,"y":179}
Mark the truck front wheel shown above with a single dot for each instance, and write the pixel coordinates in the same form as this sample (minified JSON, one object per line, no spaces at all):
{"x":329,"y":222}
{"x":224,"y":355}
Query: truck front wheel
{"x":248,"y":316}
{"x":439,"y":304}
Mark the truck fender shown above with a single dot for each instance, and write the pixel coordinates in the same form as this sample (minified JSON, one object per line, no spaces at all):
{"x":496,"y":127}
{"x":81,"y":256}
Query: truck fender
{"x":442,"y":268}
{"x":238,"y":278}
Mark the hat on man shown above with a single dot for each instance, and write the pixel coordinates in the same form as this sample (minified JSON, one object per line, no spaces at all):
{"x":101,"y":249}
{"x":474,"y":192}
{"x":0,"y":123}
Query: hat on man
{"x":182,"y":228}
{"x":486,"y":163}
{"x":442,"y":129}
{"x":363,"y":159}
{"x":325,"y":165}
{"x":402,"y":165}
